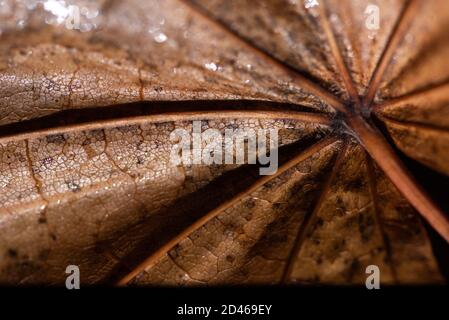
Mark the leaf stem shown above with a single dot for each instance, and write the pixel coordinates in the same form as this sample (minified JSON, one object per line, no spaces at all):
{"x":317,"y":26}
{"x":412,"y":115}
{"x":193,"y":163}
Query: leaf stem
{"x":433,"y":92}
{"x":336,"y":52}
{"x":386,"y":158}
{"x":396,"y":36}
{"x":172,"y":116}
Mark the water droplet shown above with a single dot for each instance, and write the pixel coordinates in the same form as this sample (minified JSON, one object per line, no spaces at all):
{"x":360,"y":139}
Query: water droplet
{"x":160,"y":37}
{"x":409,"y":38}
{"x":31,"y":5}
{"x":21,"y":24}
{"x":211,"y":66}
{"x":334,"y":18}
{"x":90,"y":13}
{"x":87,"y":27}
{"x":310,"y":3}
{"x":58,"y":9}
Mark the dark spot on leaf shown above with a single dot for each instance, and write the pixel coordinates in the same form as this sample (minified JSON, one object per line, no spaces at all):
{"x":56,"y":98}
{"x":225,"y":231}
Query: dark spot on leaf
{"x":250,"y":203}
{"x":12,"y":253}
{"x":44,"y":253}
{"x":46,"y":161}
{"x":74,"y":187}
{"x":366,"y":226}
{"x":277,"y":205}
{"x":319,"y":222}
{"x":55,"y":138}
{"x":339,"y":245}
{"x":355,"y":184}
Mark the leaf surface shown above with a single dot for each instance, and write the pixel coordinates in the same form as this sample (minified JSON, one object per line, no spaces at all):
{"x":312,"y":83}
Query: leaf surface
{"x":85,"y":123}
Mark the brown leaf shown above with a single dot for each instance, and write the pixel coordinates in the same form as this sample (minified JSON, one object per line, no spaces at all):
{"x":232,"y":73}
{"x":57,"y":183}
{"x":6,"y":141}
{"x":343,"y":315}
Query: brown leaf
{"x":85,"y":124}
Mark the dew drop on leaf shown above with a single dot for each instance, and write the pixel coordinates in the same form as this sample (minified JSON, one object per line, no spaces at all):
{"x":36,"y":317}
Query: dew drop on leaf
{"x":160,"y":37}
{"x":211,"y":66}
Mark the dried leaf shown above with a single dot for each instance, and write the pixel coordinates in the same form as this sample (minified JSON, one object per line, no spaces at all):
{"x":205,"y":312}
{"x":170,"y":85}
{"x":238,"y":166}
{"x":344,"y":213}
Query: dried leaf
{"x":85,"y":122}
